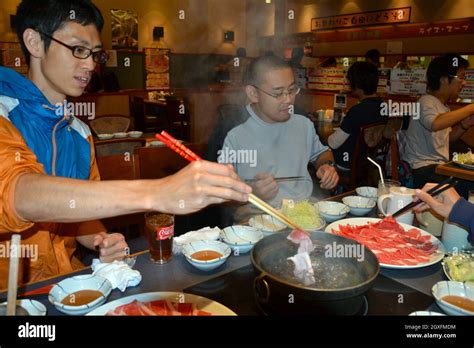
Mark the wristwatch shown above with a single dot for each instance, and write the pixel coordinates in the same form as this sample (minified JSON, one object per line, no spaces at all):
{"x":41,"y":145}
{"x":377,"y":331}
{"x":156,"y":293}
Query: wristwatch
{"x":330,"y":163}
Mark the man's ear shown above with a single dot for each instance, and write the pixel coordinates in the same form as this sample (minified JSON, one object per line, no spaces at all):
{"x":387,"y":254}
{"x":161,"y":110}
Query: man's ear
{"x":444,"y":81}
{"x":33,"y":43}
{"x":252,"y":94}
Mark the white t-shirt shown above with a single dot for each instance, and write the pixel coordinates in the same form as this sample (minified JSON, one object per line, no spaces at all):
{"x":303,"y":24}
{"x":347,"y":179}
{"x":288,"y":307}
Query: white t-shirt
{"x":423,"y":146}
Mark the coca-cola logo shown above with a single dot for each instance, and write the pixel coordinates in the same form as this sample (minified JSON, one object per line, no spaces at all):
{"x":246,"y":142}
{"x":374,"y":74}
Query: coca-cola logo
{"x":164,"y":232}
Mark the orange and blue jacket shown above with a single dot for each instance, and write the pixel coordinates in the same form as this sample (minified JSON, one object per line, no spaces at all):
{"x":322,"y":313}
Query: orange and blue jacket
{"x":37,"y":137}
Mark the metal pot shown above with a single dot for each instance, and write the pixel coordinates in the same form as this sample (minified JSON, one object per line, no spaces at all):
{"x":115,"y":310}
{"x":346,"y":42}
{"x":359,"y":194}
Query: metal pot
{"x":342,"y":278}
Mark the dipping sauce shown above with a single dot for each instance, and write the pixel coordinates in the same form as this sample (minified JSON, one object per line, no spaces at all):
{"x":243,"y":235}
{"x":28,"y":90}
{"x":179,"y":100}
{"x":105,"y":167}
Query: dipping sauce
{"x":81,"y":297}
{"x":206,"y":255}
{"x":460,"y":302}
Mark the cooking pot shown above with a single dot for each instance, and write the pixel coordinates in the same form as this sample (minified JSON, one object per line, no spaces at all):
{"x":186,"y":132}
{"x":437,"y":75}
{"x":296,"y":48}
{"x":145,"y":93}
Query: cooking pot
{"x":344,"y":270}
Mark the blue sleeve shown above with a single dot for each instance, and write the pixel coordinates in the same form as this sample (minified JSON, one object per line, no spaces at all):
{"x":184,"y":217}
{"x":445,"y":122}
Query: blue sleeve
{"x":463,"y":214}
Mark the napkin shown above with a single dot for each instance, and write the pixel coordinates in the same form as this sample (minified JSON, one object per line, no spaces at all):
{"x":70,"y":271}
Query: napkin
{"x":206,"y":233}
{"x":118,"y":273}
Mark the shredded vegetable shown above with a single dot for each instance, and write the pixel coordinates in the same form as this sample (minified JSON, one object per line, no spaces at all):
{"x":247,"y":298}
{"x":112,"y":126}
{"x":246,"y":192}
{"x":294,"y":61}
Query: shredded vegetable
{"x":460,"y":267}
{"x":303,"y":213}
{"x":464,"y":158}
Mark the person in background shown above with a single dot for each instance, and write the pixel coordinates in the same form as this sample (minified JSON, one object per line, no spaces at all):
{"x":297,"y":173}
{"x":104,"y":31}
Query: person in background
{"x":373,"y":56}
{"x":429,"y":133}
{"x":237,"y":66}
{"x":363,"y":78}
{"x":449,"y":204}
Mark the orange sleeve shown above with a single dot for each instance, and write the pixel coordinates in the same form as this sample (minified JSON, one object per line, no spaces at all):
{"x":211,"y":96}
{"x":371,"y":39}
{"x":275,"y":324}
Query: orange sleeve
{"x":16,"y":159}
{"x":94,"y":171}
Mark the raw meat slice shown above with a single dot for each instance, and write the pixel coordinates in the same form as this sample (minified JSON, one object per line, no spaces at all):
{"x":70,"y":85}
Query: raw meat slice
{"x":303,"y":268}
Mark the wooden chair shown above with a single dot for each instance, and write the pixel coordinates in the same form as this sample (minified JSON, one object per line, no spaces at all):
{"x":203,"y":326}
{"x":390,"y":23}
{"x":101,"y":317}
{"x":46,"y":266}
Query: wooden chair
{"x":374,"y":141}
{"x":110,"y":124}
{"x":178,"y":118}
{"x":148,"y":118}
{"x":117,"y":146}
{"x":120,"y":167}
{"x":159,"y":162}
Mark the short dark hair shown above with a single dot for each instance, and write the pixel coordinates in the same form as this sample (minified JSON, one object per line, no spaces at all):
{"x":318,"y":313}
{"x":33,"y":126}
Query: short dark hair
{"x":444,"y":66}
{"x":263,"y":64}
{"x":373,"y":56}
{"x":363,"y":75}
{"x":50,"y":15}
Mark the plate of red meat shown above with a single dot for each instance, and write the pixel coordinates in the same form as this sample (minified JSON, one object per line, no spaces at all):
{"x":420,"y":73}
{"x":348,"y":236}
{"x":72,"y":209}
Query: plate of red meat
{"x":396,"y":245}
{"x":162,"y":304}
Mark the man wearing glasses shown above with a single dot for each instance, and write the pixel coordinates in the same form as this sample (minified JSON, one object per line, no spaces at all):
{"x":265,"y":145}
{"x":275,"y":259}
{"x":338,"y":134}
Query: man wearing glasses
{"x":428,"y":136}
{"x":283,"y":142}
{"x":49,"y":181}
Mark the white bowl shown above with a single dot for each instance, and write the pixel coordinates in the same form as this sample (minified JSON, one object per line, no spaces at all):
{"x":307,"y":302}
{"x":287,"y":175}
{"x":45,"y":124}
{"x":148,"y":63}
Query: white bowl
{"x":267,"y":224}
{"x":135,"y":134}
{"x":190,"y":248}
{"x":71,"y":285}
{"x":332,"y":211}
{"x":241,"y":238}
{"x":33,"y":307}
{"x":367,"y":191}
{"x":105,"y":136}
{"x":426,"y":314}
{"x":359,"y":206}
{"x":120,"y":135}
{"x":156,"y":143}
{"x":445,"y":288}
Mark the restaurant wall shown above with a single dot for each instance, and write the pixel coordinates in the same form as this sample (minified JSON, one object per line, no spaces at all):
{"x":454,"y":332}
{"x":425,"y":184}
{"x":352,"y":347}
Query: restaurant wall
{"x":201,"y":30}
{"x":422,"y":11}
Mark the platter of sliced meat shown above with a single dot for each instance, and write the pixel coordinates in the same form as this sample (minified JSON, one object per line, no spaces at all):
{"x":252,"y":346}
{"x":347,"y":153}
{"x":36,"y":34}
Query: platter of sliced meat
{"x":396,"y":245}
{"x":162,"y":304}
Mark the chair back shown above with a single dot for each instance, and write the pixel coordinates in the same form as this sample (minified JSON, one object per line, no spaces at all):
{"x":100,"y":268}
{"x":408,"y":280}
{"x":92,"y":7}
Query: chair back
{"x":161,"y":161}
{"x":119,"y":167}
{"x":117,"y":146}
{"x":110,"y":124}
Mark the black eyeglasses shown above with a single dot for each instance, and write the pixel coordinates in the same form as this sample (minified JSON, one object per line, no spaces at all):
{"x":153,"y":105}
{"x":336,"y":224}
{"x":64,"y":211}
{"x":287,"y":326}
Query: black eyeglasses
{"x":459,"y":77}
{"x":82,"y":52}
{"x":279,"y":96}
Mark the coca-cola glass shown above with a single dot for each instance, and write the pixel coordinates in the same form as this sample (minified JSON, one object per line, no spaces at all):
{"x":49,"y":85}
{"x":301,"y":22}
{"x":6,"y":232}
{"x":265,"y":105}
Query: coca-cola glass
{"x":159,"y":230}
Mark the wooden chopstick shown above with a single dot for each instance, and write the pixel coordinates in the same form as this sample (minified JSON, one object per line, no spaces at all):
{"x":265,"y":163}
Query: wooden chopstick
{"x":183,"y":151}
{"x":436,"y":190}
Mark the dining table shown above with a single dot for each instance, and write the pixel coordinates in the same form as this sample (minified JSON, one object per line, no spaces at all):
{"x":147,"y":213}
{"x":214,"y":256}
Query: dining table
{"x":455,"y":170}
{"x":232,"y":283}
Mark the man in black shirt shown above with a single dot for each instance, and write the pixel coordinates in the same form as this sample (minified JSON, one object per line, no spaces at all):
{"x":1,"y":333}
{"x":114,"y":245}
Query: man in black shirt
{"x":363,"y":78}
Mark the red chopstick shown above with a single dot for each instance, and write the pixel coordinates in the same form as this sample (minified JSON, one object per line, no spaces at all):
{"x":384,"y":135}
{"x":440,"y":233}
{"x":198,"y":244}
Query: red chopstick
{"x":177,"y":147}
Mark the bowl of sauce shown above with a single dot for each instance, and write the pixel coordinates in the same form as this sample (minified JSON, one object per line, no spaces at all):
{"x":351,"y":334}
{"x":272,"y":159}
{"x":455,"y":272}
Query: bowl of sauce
{"x":206,"y":255}
{"x":80,"y":294}
{"x":454,"y":298}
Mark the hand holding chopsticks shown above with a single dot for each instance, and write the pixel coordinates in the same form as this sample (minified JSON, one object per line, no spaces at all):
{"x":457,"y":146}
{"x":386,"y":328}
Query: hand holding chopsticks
{"x":433,"y":192}
{"x":443,"y":204}
{"x":186,"y":153}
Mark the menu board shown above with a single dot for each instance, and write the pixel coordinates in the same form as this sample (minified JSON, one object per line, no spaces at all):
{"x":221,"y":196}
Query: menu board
{"x":328,"y":79}
{"x":408,"y":81}
{"x":468,"y":91}
{"x":157,"y":66}
{"x":11,"y":56}
{"x":384,"y":78}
